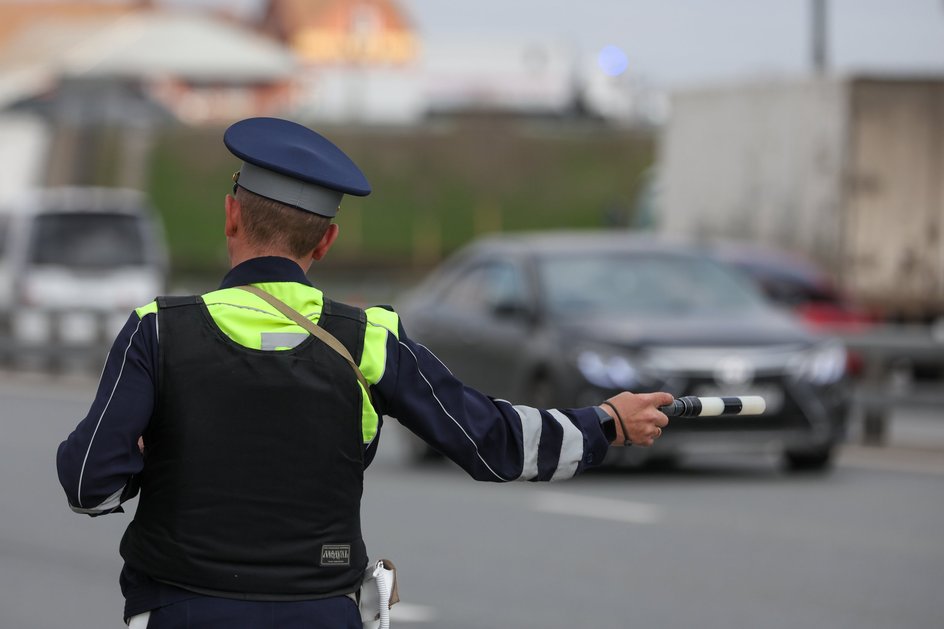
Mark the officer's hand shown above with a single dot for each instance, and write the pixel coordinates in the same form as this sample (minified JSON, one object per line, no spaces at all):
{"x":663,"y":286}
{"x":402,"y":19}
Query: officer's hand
{"x":639,"y":418}
{"x":141,"y":444}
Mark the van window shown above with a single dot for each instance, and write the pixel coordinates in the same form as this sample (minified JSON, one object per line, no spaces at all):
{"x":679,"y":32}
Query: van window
{"x":87,"y":240}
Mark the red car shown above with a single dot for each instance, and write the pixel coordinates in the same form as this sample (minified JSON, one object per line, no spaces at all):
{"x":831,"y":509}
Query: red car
{"x":793,"y":281}
{"x":797,"y":284}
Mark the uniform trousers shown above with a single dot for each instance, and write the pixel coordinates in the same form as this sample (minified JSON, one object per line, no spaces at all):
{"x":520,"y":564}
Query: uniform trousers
{"x":207,"y":612}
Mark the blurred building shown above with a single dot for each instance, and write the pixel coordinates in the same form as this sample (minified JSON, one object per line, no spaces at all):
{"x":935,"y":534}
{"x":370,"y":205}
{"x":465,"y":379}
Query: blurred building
{"x":364,"y":61}
{"x":514,"y":76}
{"x":192,"y":65}
{"x":342,"y":32}
{"x":358,"y":57}
{"x":358,"y":61}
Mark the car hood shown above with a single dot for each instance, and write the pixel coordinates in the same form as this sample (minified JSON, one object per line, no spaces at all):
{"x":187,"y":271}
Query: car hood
{"x":744,"y":330}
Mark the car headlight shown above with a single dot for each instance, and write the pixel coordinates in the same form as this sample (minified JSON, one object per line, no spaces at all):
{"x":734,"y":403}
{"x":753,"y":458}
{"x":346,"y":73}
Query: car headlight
{"x":608,"y":370}
{"x":823,"y":364}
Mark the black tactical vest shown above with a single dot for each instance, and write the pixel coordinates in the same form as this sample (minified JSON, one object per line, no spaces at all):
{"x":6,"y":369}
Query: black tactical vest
{"x":254,"y":466}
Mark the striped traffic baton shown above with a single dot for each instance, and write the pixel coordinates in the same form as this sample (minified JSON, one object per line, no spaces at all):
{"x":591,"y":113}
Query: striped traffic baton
{"x":693,"y":406}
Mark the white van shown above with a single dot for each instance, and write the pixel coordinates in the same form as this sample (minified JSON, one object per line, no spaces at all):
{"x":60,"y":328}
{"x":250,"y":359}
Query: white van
{"x":74,"y":262}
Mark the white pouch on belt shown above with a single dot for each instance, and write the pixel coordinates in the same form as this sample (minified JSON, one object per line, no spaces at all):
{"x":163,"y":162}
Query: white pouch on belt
{"x":378,"y":594}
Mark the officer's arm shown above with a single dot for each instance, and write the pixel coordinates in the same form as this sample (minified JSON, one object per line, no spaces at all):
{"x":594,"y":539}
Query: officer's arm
{"x":98,"y":461}
{"x":491,"y":439}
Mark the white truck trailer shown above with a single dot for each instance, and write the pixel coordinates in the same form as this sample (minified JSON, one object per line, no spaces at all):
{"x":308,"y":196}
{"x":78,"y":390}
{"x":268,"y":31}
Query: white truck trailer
{"x":849,"y":171}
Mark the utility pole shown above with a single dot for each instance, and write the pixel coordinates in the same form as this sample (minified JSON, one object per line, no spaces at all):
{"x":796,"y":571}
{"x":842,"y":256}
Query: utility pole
{"x":819,"y":25}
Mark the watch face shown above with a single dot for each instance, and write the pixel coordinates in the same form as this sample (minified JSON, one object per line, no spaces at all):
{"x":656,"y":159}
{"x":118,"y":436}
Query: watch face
{"x":609,"y":428}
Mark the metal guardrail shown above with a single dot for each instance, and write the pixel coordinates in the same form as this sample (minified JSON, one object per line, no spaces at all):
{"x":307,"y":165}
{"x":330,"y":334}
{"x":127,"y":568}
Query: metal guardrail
{"x":55,"y":350}
{"x":891,"y":355}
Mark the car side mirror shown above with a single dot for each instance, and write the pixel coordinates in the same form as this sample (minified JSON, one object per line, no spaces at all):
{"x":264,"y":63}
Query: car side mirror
{"x":513,"y":309}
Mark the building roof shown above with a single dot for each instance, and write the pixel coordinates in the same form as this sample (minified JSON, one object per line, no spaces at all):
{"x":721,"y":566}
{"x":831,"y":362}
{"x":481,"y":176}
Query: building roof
{"x":140,"y":45}
{"x":185,"y":45}
{"x":343,"y":31}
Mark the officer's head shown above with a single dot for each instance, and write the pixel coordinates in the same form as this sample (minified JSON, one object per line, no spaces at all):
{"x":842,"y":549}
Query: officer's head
{"x":288,"y":188}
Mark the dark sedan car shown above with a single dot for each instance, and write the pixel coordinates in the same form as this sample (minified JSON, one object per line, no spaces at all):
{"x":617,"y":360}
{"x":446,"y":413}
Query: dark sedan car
{"x":570,"y":318}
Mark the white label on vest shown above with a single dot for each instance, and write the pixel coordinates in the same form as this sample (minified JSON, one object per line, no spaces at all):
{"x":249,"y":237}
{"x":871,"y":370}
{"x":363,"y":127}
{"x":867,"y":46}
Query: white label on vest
{"x":336,"y":555}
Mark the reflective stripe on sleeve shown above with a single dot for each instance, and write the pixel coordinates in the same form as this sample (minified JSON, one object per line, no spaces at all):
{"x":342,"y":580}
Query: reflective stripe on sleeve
{"x":531,"y":427}
{"x":572,"y":447}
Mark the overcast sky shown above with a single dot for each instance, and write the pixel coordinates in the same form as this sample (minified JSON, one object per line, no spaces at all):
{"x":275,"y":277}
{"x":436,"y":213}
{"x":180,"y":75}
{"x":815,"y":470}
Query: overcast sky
{"x":674,"y":42}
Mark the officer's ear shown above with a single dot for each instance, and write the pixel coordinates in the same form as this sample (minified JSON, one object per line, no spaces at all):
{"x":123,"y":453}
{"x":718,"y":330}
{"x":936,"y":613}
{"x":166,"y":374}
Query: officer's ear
{"x":233,"y":216}
{"x":326,"y":241}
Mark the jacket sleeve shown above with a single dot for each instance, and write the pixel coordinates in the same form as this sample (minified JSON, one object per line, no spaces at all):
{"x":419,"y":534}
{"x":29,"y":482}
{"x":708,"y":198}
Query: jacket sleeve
{"x":98,"y":462}
{"x":492,"y":439}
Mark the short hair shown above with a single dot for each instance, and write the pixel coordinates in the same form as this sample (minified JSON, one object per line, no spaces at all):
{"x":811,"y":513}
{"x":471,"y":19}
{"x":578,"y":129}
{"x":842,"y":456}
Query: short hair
{"x":279,"y":227}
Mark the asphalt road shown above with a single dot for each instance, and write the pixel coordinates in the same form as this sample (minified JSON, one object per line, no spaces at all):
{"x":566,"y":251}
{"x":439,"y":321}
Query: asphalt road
{"x":719,"y":543}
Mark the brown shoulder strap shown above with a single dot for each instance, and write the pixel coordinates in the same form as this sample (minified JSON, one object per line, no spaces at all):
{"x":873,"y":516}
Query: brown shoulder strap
{"x":326,"y":337}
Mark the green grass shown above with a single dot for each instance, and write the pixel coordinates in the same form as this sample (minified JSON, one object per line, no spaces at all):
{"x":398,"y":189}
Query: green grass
{"x":434,"y":188}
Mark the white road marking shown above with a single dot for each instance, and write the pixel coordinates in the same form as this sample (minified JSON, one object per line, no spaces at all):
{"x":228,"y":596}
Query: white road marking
{"x":408,"y":612}
{"x":599,"y":508}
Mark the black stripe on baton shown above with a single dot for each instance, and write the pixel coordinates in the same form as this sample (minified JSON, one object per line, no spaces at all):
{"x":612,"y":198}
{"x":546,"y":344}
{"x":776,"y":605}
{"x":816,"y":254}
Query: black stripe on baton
{"x":732,"y":405}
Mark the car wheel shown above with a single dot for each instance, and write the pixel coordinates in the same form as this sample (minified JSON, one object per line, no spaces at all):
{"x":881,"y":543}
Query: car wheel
{"x":818,"y":460}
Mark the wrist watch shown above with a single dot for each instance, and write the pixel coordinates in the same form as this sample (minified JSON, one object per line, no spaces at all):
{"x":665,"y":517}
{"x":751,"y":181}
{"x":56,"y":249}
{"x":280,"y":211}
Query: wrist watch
{"x":607,"y":423}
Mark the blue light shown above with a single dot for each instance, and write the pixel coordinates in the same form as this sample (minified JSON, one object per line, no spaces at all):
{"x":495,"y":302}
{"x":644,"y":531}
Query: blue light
{"x":613,"y":61}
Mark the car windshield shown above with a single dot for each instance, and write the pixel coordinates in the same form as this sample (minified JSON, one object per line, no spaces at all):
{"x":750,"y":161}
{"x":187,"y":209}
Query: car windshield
{"x":642,"y":284}
{"x":87,"y":240}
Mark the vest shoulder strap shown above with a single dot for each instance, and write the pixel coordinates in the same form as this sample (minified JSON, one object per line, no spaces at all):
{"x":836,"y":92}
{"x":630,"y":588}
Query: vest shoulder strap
{"x":175,"y":301}
{"x":347,"y":324}
{"x":321,"y":332}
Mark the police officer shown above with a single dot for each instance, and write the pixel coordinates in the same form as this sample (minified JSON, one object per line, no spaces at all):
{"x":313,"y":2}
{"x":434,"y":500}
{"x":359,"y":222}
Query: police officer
{"x":247,"y":437}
